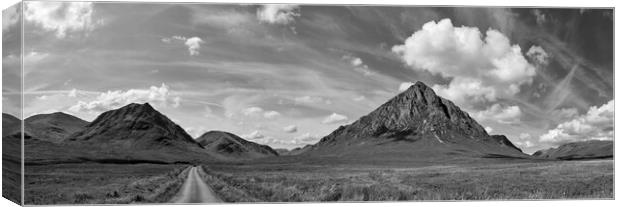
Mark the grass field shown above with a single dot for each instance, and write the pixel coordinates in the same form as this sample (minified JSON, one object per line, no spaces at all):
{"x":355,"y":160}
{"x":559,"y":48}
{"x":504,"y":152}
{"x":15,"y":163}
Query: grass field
{"x":523,"y":180}
{"x":90,"y":183}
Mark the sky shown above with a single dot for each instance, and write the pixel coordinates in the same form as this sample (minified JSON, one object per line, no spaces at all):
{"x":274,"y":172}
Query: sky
{"x":287,"y":75}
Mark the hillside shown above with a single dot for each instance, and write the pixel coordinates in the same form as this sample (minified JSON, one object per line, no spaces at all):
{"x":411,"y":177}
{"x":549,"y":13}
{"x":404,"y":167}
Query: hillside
{"x":593,"y":149}
{"x":54,"y":127}
{"x":233,"y":146}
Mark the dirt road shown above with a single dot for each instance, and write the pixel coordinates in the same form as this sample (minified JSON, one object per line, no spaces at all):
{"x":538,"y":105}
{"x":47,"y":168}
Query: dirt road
{"x":194,"y":190}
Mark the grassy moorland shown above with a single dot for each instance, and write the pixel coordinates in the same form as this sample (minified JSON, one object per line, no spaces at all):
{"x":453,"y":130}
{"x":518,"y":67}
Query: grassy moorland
{"x":94,"y":183}
{"x":521,"y":180}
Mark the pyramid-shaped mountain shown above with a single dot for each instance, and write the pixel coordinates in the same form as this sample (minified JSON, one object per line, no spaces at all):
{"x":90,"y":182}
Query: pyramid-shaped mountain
{"x":416,"y":122}
{"x":54,"y":127}
{"x":136,"y":127}
{"x":229,"y":145}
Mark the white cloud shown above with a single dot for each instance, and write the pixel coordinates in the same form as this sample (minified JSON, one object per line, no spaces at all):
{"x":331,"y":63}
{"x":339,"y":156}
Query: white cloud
{"x":596,"y":124}
{"x":252,"y":111}
{"x":61,"y":17}
{"x":114,"y":99}
{"x":72,"y":93}
{"x":253,"y":135}
{"x":10,"y":17}
{"x":358,"y":65}
{"x":404,"y":86}
{"x":290,"y":129}
{"x":359,"y":98}
{"x":481,"y":70}
{"x":502,"y":114}
{"x":335,"y":118}
{"x":193,"y":45}
{"x":271,"y":114}
{"x":278,"y":13}
{"x":312,"y":99}
{"x":538,"y":55}
{"x":488,"y":129}
{"x":307,"y":138}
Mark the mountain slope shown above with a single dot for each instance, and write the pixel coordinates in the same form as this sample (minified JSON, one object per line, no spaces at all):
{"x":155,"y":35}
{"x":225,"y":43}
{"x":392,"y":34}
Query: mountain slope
{"x":415,"y":123}
{"x":593,"y":149}
{"x":230,"y":145}
{"x":10,"y":125}
{"x":54,"y":127}
{"x":137,"y":131}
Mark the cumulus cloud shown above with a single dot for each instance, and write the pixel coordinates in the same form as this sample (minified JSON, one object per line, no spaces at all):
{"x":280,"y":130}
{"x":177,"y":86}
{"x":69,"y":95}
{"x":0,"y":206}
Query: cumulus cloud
{"x":524,"y":140}
{"x":193,"y":45}
{"x":596,"y":124}
{"x":482,"y":68}
{"x":252,"y":111}
{"x":404,"y":86}
{"x":502,"y":114}
{"x":538,"y":55}
{"x":335,"y":118}
{"x":115,"y":99}
{"x":290,"y":129}
{"x":278,"y":13}
{"x":253,"y":135}
{"x":61,"y":17}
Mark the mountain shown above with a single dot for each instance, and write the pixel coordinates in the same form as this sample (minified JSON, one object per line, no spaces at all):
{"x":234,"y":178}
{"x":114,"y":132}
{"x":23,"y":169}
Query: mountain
{"x":230,"y":145}
{"x":10,"y":124}
{"x":593,"y":149}
{"x":137,"y":131}
{"x":54,"y":127}
{"x":415,"y":124}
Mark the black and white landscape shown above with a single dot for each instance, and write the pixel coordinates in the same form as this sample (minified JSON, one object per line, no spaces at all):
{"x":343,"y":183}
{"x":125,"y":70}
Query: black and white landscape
{"x":201,"y":103}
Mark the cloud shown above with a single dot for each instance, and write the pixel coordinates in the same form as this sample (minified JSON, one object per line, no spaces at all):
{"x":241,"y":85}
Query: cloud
{"x":115,"y":99}
{"x":278,"y":13}
{"x":482,"y":68}
{"x":252,"y":111}
{"x":193,"y":45}
{"x":253,"y":135}
{"x":502,"y":114}
{"x":358,"y":65}
{"x":538,"y":55}
{"x":596,"y":124}
{"x":10,"y":17}
{"x":312,"y":99}
{"x":488,"y":129}
{"x":61,"y":17}
{"x":523,"y":140}
{"x":72,"y":93}
{"x":540,"y":17}
{"x":359,"y":98}
{"x":271,"y":114}
{"x":307,"y":138}
{"x":404,"y":86}
{"x":290,"y":129}
{"x":335,"y":118}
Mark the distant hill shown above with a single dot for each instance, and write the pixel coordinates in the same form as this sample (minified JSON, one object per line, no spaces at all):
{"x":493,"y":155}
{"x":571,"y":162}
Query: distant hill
{"x":416,"y":124}
{"x":54,"y":127}
{"x":132,"y":132}
{"x":593,"y":149}
{"x":233,"y":146}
